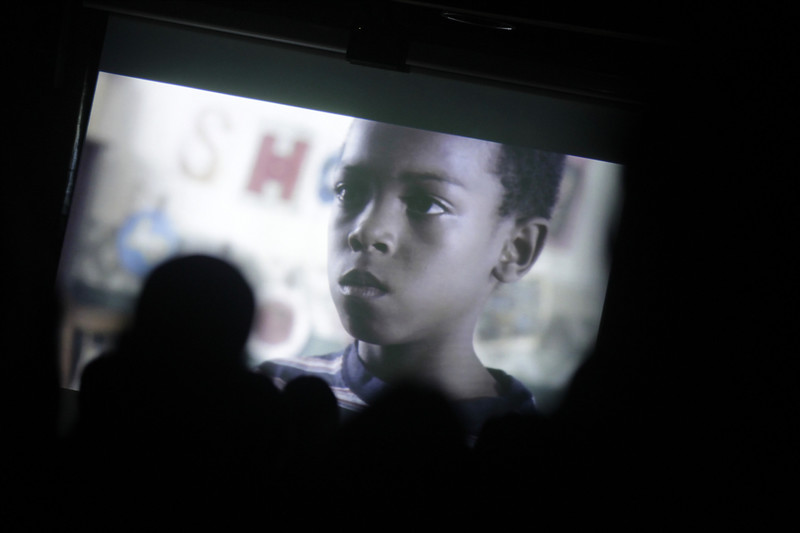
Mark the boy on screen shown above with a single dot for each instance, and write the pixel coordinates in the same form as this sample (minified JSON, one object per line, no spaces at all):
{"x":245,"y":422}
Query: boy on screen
{"x":425,"y":226}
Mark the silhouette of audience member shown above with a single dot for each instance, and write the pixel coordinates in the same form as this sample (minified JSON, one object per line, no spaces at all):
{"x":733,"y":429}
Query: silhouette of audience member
{"x":312,"y":417}
{"x":174,"y":408}
{"x":410,"y":444}
{"x":311,"y":426}
{"x":516,"y":450}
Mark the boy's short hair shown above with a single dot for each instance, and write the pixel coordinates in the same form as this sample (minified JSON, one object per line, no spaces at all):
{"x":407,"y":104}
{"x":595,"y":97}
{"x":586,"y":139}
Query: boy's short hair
{"x":531,"y":179}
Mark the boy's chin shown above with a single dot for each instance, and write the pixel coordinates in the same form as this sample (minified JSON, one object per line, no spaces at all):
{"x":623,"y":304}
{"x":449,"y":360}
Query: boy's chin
{"x":369,"y":332}
{"x":367,"y":336}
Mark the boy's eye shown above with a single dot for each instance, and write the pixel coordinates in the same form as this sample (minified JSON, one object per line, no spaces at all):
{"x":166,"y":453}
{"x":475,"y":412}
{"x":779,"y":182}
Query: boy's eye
{"x":423,"y":204}
{"x":340,"y":191}
{"x":350,"y":195}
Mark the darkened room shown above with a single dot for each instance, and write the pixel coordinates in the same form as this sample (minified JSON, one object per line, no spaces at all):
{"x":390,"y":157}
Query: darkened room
{"x":685,"y":407}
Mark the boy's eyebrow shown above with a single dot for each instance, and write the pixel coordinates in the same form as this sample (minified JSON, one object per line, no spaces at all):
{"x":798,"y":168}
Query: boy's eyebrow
{"x":430,"y":176}
{"x":353,"y":171}
{"x":364,"y":172}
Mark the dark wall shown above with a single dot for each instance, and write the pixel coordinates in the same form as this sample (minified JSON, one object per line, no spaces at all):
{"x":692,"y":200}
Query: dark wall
{"x":699,"y":368}
{"x":47,"y":49}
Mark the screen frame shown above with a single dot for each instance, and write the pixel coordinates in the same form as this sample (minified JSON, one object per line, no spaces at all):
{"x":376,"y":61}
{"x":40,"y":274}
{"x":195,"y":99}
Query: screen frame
{"x":609,"y":127}
{"x":269,"y":70}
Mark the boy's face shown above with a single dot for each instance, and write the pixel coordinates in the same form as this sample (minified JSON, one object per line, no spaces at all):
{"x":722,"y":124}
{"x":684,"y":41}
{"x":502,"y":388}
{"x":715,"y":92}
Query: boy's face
{"x":415,"y":234}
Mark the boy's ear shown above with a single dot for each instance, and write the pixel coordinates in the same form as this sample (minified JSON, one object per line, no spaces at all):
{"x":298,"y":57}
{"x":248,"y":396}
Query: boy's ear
{"x":521,"y":250}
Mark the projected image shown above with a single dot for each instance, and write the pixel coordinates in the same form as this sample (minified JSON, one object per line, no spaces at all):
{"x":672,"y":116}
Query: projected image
{"x":376,"y":252}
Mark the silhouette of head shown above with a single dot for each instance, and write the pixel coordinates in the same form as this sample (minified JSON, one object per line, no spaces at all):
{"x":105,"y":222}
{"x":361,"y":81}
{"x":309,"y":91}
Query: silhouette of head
{"x":311,"y":401}
{"x":196,"y":305}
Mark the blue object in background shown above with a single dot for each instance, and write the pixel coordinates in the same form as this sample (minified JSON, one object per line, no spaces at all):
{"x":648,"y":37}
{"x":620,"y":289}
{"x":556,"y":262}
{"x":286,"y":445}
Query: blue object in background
{"x":326,"y":178}
{"x":146,"y":239}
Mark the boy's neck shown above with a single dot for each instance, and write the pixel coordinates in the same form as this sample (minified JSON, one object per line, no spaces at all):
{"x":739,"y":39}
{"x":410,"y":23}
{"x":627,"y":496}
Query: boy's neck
{"x":453,"y":368}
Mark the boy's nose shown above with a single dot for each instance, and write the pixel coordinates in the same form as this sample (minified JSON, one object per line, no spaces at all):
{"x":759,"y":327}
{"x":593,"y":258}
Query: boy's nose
{"x":374,"y":231}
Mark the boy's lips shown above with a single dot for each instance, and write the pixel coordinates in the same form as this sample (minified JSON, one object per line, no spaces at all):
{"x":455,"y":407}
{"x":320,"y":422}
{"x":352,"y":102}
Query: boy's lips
{"x":361,"y":283}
